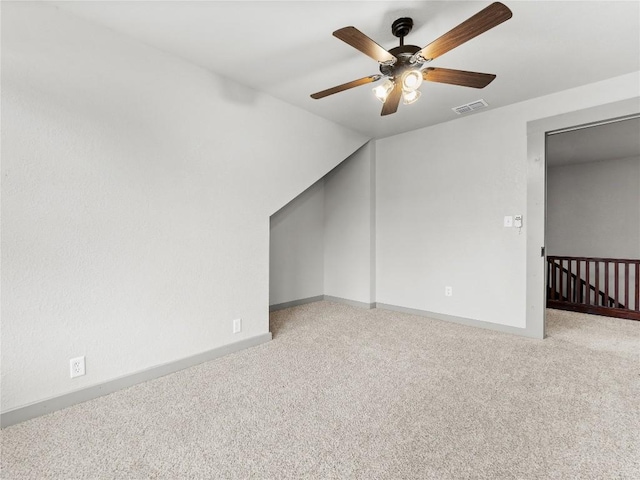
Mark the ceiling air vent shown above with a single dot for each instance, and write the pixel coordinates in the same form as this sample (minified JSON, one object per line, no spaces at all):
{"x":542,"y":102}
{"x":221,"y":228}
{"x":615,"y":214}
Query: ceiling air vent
{"x":470,"y":107}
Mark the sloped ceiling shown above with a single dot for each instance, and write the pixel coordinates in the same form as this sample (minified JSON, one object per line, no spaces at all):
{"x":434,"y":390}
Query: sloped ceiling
{"x":286,"y":49}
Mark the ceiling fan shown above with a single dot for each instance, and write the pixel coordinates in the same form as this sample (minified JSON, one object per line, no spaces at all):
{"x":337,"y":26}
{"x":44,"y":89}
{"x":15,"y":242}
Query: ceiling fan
{"x":403,"y":67}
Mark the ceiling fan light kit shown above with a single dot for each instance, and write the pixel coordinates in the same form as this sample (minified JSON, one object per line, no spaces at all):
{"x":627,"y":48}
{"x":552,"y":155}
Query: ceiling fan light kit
{"x":383,"y":90}
{"x":409,"y":97}
{"x":403,"y":67}
{"x":411,"y":80}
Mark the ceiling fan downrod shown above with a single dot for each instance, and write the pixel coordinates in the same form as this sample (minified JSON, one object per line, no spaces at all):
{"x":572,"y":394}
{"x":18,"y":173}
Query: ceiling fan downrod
{"x":405,"y":56}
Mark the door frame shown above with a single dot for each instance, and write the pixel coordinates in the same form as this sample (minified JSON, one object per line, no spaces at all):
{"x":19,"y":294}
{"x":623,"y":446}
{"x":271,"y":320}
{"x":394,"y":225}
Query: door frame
{"x":537,"y":131}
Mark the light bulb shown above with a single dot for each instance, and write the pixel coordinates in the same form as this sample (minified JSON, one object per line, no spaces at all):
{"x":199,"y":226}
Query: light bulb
{"x":410,"y":97}
{"x":411,"y":80}
{"x":383,"y":90}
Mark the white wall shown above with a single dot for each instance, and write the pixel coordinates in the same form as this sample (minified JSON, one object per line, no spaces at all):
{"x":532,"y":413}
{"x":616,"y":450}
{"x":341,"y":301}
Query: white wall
{"x":136,"y":194}
{"x":349,"y":228}
{"x":323,"y":242}
{"x":297,"y":248}
{"x":593,"y":209}
{"x":442,"y":193}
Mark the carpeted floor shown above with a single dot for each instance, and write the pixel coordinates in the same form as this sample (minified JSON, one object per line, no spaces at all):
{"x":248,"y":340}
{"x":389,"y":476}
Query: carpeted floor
{"x":348,"y":393}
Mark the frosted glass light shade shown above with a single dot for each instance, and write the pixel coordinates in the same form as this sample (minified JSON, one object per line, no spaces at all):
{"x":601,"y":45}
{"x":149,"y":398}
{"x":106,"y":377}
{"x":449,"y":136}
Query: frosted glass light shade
{"x":410,"y":97}
{"x":383,"y":90}
{"x":411,"y":80}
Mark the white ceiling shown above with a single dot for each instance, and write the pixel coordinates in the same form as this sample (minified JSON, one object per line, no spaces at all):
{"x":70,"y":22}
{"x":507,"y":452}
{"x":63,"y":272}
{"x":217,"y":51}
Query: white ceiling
{"x":611,"y":141}
{"x":286,"y":49}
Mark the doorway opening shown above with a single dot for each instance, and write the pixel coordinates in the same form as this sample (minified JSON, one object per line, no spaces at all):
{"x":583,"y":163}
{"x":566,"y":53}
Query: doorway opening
{"x":536,"y":261}
{"x":592,"y":237}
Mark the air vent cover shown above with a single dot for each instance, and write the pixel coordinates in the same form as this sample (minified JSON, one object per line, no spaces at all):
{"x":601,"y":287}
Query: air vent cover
{"x":470,"y":107}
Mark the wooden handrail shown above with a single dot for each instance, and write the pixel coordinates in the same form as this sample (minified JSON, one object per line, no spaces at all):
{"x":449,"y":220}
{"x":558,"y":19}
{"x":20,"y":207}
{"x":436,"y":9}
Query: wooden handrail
{"x":595,"y":259}
{"x":568,"y":290}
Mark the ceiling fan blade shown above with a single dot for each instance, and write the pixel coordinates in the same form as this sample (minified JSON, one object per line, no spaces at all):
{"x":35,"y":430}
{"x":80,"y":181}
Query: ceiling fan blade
{"x":484,"y":20}
{"x":346,"y":86}
{"x":360,"y":41}
{"x":393,"y":100}
{"x":458,"y":77}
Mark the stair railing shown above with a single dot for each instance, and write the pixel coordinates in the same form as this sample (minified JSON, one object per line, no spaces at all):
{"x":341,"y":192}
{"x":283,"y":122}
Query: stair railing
{"x":602,"y":286}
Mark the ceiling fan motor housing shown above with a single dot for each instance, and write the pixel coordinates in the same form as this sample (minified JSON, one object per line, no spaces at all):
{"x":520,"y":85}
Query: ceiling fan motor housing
{"x":403,"y":53}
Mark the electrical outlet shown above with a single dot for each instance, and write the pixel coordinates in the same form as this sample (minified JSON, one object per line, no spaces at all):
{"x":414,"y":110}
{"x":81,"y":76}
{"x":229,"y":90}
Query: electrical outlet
{"x":237,"y":325}
{"x":77,"y":367}
{"x":448,"y":291}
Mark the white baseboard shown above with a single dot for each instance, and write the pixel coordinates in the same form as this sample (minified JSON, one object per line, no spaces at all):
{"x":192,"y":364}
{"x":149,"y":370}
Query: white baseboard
{"x":27,"y":412}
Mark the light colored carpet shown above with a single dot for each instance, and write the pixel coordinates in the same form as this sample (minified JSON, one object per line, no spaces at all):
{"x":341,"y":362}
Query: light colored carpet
{"x":603,"y":334}
{"x":348,"y":393}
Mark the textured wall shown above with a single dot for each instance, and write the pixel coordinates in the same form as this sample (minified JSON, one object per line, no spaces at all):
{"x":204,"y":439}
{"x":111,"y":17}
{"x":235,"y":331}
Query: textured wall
{"x":323,"y":242}
{"x":136,"y":194}
{"x":349,"y":228}
{"x":593,"y":209}
{"x":296,"y":268}
{"x":442,"y":193}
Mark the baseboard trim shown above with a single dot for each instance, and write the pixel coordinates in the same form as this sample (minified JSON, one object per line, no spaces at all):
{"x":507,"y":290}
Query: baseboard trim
{"x":346,"y":301}
{"x":469,"y":322}
{"x":320,"y":298}
{"x":295,"y":303}
{"x":43,"y":407}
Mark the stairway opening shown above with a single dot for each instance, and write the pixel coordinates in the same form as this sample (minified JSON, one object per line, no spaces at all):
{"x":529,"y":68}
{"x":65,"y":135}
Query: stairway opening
{"x":593,"y":218}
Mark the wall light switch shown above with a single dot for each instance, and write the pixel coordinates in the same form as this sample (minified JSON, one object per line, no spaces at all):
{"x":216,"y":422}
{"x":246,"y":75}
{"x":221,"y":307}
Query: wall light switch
{"x":508,"y":221}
